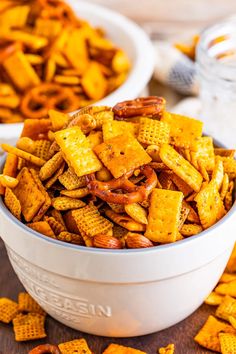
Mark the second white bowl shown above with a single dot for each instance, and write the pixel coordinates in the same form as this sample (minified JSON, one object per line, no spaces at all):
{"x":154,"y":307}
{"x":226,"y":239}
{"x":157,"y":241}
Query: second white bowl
{"x":126,"y":35}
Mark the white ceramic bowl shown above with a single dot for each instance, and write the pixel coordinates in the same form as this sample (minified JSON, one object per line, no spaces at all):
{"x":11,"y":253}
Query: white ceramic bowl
{"x":128,"y":36}
{"x":118,"y":293}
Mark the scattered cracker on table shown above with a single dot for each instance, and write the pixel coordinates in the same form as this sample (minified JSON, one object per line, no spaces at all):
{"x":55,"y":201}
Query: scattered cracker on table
{"x":29,"y":327}
{"x":208,"y":336}
{"x":75,"y":346}
{"x":8,"y":310}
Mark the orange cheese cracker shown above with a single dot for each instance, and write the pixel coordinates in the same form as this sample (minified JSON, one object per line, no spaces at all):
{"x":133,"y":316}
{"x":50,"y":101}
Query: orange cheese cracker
{"x":209,"y":204}
{"x":181,"y":167}
{"x":208,"y":336}
{"x":76,"y":346}
{"x":28,"y":194}
{"x":77,"y":151}
{"x":184,"y":131}
{"x":122,"y":154}
{"x":112,"y":128}
{"x":164,"y":214}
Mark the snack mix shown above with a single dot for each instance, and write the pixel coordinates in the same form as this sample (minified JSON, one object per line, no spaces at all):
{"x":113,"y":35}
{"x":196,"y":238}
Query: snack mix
{"x":50,"y":59}
{"x":131,"y":176}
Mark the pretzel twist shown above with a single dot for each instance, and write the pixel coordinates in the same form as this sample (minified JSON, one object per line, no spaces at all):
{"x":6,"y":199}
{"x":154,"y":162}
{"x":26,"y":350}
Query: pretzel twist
{"x":135,"y":194}
{"x":38,"y":100}
{"x":145,"y":106}
{"x":46,"y":349}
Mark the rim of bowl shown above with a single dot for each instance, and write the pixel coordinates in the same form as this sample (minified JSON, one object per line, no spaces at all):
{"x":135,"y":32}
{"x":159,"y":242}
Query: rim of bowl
{"x":143,"y":63}
{"x":7,"y":214}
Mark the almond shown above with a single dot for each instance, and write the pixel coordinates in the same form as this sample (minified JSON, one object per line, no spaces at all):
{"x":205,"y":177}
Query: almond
{"x":106,"y":241}
{"x":137,"y":241}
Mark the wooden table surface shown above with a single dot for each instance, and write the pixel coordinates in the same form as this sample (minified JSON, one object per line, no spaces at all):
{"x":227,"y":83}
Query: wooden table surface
{"x":181,"y":334}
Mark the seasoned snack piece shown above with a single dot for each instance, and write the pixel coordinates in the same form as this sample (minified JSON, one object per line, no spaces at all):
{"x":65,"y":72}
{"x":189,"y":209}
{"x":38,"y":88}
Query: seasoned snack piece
{"x":29,"y":195}
{"x":214,"y":299}
{"x":41,"y":149}
{"x":225,"y":152}
{"x":71,"y":181}
{"x":208,"y":336}
{"x":106,"y":241}
{"x":227,"y":277}
{"x":136,"y":212}
{"x":77,"y":151}
{"x":190,"y":229}
{"x":164,"y":214}
{"x":113,"y":128}
{"x":74,"y":347}
{"x":51,"y":166}
{"x":125,"y":221}
{"x":181,"y":185}
{"x":151,"y":106}
{"x":184,"y":131}
{"x":94,"y":82}
{"x":154,"y":152}
{"x":226,"y":308}
{"x":71,"y":238}
{"x":232,"y":321}
{"x":192,"y":216}
{"x":76,"y":193}
{"x":47,"y":202}
{"x":90,"y":222}
{"x":229,"y":166}
{"x":10,"y":167}
{"x":183,"y":216}
{"x":227,"y":343}
{"x":50,"y":182}
{"x":134,"y":240}
{"x":28,"y":304}
{"x":46,"y":349}
{"x":67,"y":203}
{"x":181,"y":167}
{"x":70,"y":222}
{"x":12,"y":203}
{"x":203,"y":151}
{"x":29,"y":327}
{"x":153,"y":132}
{"x":209,"y":204}
{"x":225,"y":186}
{"x":122,"y":154}
{"x":76,"y":50}
{"x":227,"y":288}
{"x":120,"y":349}
{"x":95,"y":138}
{"x":56,"y":226}
{"x":229,"y":196}
{"x":170,"y":349}
{"x":218,"y":172}
{"x":36,"y":128}
{"x":8,"y":310}
{"x":20,"y":71}
{"x":59,"y":120}
{"x":24,"y":155}
{"x":231,"y":265}
{"x":43,"y":227}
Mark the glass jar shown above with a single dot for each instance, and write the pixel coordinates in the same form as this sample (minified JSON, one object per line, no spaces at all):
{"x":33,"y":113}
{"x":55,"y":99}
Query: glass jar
{"x":216,"y":65}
